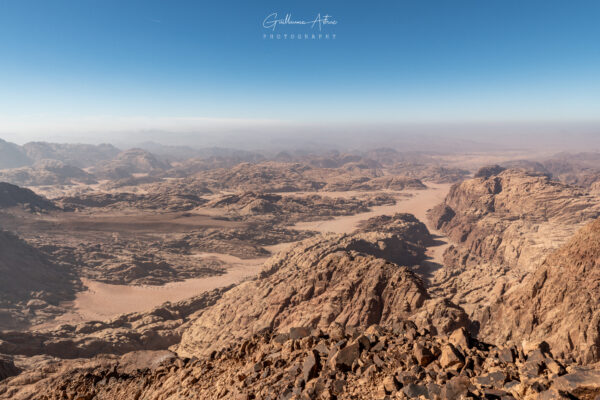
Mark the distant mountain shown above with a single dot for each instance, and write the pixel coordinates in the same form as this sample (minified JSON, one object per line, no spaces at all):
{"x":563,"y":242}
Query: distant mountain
{"x":46,"y":172}
{"x":12,"y":156}
{"x":78,"y":155}
{"x":182,"y":153}
{"x":132,"y":161}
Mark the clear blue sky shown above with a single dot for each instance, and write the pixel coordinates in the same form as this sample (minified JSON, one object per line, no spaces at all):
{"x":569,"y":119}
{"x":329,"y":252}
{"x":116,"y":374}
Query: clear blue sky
{"x":391,"y":61}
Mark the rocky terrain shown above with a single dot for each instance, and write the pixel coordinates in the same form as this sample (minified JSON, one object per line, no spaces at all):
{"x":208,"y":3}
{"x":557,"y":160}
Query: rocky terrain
{"x":494,"y":297}
{"x":290,"y":209}
{"x":558,"y":303}
{"x":502,"y":224}
{"x":401,"y":362}
{"x":47,"y":173}
{"x":351,"y":280}
{"x":128,"y":163}
{"x":156,"y":329}
{"x":14,"y":196}
{"x":32,"y":286}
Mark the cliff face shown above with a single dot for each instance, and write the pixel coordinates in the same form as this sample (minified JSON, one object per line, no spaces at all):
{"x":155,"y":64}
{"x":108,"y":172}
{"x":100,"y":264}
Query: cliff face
{"x":347,"y":280}
{"x":503,"y":224}
{"x":559,"y":303}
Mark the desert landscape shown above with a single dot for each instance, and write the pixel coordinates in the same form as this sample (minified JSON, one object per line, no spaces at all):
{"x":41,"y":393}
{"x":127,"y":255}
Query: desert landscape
{"x":132,"y":275}
{"x":299,"y":200}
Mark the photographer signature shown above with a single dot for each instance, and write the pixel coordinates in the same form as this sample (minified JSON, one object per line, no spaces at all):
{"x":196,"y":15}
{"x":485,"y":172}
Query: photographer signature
{"x":271,"y":21}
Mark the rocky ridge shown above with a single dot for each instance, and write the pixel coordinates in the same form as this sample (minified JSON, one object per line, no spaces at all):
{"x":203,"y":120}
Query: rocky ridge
{"x":351,"y":280}
{"x":502,"y":224}
{"x":14,"y":196}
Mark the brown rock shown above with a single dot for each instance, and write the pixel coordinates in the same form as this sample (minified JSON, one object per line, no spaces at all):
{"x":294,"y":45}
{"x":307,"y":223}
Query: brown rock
{"x":423,"y":355}
{"x":390,"y":384}
{"x":579,"y":382}
{"x":310,"y":368}
{"x":455,"y":388}
{"x":298,"y":333}
{"x":460,"y":338}
{"x":451,"y":357}
{"x":345,"y":357}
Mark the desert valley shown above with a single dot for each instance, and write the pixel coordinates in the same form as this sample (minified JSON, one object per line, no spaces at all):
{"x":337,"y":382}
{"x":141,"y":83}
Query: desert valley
{"x":164,"y":272}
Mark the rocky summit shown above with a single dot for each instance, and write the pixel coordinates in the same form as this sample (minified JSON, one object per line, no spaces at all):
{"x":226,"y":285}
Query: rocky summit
{"x":401,"y":362}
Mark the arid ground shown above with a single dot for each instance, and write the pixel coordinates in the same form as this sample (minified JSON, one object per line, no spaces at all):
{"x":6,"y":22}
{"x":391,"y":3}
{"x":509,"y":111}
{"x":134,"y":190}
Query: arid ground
{"x":374,"y":274}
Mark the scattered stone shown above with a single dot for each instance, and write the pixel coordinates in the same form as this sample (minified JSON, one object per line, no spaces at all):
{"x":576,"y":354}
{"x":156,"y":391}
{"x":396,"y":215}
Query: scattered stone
{"x":345,"y":357}
{"x":423,"y":355}
{"x":451,"y":357}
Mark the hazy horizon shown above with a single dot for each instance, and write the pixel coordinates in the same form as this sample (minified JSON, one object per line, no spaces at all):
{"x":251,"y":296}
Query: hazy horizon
{"x":107,"y":71}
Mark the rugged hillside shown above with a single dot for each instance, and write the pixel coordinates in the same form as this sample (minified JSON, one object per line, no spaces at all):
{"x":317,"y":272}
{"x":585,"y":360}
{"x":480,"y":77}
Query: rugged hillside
{"x":277,"y":177}
{"x":294,"y":208}
{"x":14,"y":196}
{"x":351,"y":280}
{"x":31,"y":286}
{"x":559,"y":303}
{"x":503,"y":224}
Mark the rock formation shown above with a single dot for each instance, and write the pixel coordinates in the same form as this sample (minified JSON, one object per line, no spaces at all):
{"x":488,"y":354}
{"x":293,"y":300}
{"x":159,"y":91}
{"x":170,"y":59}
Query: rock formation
{"x":502,"y":227}
{"x":559,"y":303}
{"x":351,"y":280}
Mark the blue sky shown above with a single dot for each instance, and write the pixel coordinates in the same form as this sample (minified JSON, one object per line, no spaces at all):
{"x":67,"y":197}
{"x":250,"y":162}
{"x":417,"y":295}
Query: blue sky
{"x":392,"y":61}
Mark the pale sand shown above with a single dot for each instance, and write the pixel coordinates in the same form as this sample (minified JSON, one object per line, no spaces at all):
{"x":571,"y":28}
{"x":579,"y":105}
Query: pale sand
{"x":103,"y":301}
{"x":417,"y":204}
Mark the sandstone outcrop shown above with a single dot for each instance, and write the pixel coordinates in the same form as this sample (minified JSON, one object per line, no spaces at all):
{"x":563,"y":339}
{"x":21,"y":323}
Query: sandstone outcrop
{"x":351,"y":280}
{"x":502,"y":226}
{"x":559,"y":303}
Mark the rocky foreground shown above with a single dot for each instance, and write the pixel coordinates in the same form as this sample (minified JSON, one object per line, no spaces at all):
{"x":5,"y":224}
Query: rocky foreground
{"x":397,"y":363}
